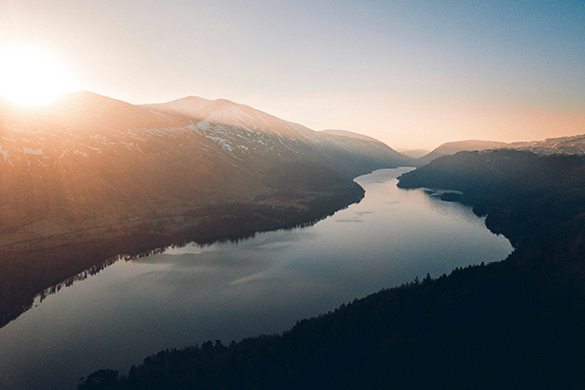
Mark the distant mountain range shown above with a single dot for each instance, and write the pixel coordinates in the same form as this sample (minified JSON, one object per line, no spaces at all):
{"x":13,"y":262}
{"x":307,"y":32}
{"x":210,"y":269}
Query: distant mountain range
{"x":574,"y":145}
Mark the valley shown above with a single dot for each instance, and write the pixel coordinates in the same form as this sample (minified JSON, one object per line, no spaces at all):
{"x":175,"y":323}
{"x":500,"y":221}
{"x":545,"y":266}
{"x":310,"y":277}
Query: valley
{"x":91,"y":180}
{"x":260,"y":195}
{"x":90,"y":177}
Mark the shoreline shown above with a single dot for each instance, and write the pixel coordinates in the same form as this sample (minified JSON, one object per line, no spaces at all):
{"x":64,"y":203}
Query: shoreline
{"x":29,"y":268}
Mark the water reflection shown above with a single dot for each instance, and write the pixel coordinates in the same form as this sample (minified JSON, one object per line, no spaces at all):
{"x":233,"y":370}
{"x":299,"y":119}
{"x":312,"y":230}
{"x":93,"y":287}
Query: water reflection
{"x":116,"y":314}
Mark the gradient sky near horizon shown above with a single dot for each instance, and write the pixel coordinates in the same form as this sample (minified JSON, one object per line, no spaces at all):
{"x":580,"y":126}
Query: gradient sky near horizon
{"x":413,"y":74}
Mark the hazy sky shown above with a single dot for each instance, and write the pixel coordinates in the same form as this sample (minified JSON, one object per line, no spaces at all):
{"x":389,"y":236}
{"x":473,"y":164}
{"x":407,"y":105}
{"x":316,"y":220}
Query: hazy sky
{"x":413,"y":74}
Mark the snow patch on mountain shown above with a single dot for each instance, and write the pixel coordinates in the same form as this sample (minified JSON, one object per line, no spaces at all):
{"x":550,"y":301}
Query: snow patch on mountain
{"x":223,"y":143}
{"x":4,"y":153}
{"x":37,"y":152}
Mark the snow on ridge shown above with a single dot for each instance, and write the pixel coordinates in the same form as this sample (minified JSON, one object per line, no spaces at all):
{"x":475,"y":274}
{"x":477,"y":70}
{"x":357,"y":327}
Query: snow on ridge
{"x":4,"y":153}
{"x":193,"y":127}
{"x":37,"y":152}
{"x":204,"y":125}
{"x":234,"y":121}
{"x":82,"y":153}
{"x":223,"y":143}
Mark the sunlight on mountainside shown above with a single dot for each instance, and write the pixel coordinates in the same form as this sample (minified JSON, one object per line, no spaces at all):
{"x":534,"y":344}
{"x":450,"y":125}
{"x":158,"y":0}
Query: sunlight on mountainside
{"x":31,"y":76}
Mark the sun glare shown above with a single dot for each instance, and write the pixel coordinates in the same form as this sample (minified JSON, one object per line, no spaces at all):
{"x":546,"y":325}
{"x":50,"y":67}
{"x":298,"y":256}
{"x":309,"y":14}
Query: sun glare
{"x":31,"y":76}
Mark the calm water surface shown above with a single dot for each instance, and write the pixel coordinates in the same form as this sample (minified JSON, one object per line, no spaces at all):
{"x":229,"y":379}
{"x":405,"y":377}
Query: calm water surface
{"x":229,"y":291}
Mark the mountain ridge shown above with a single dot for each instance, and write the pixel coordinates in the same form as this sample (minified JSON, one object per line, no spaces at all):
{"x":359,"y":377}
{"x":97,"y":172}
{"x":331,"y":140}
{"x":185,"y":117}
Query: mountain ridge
{"x":233,"y":123}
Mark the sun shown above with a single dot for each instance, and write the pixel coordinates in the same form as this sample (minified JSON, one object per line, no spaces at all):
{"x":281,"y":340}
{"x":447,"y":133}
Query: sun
{"x":32,"y":76}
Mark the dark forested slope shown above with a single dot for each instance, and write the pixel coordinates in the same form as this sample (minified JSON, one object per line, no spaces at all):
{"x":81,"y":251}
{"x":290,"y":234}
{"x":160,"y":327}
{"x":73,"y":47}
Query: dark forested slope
{"x":530,"y":199}
{"x":514,"y":324}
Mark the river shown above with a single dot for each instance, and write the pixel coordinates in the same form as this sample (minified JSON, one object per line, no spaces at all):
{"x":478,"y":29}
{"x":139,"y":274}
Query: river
{"x":229,"y":291}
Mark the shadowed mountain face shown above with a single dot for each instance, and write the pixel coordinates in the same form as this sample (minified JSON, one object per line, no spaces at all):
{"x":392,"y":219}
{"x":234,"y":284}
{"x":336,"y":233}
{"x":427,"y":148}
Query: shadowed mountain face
{"x":90,"y":177}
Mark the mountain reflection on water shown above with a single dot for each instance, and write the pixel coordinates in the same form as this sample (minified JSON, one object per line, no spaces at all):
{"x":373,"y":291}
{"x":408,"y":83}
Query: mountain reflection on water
{"x":115,"y":316}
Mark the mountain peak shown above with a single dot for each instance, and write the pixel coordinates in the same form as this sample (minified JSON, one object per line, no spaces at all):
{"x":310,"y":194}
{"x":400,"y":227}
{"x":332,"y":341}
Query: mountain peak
{"x":347,"y":133}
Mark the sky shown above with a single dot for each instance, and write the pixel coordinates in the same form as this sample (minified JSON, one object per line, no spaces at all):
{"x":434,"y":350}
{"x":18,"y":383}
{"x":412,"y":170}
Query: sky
{"x":413,"y":74}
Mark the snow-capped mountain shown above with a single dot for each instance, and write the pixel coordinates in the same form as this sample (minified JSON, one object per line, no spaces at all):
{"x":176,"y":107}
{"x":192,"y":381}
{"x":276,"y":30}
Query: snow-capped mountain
{"x":244,"y":132}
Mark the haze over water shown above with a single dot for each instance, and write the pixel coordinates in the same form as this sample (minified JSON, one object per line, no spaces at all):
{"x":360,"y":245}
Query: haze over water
{"x":229,"y":291}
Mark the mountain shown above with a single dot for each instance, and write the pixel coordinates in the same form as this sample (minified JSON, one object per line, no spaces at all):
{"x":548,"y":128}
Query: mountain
{"x":347,"y":133}
{"x":572,"y":145}
{"x":91,"y":177}
{"x":245,"y":132}
{"x":450,"y":148}
{"x":89,"y":158}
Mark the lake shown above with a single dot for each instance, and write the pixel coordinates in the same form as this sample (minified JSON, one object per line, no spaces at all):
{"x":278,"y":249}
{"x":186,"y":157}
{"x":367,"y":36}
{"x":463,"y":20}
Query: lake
{"x":229,"y":291}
